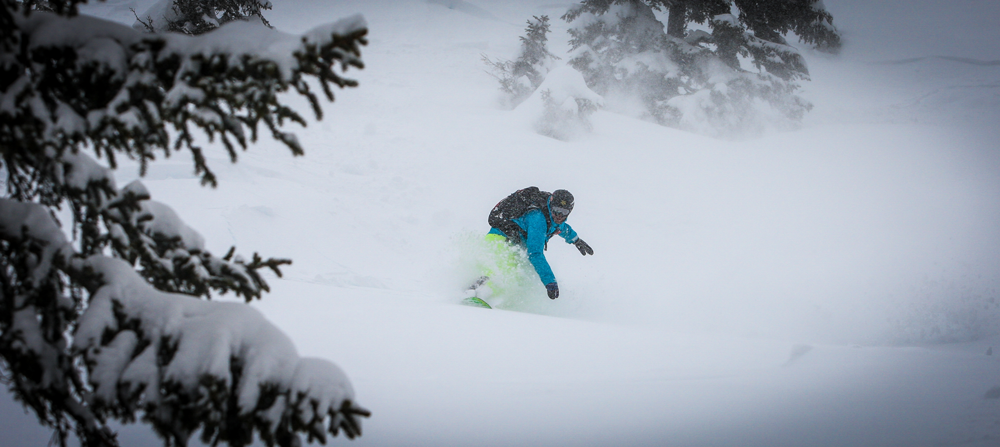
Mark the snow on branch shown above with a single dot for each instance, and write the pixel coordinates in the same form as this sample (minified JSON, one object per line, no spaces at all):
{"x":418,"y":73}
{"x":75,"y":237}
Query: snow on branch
{"x":149,"y":235}
{"x":171,"y":255}
{"x":181,"y":359}
{"x":78,"y":81}
{"x":188,"y":365}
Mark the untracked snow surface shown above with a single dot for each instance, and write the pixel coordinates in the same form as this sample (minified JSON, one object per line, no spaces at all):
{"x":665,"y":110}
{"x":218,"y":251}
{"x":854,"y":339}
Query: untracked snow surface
{"x":832,"y":285}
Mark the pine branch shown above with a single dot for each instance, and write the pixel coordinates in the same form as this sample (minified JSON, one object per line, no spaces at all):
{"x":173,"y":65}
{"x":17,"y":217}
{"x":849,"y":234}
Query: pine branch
{"x":76,"y":324}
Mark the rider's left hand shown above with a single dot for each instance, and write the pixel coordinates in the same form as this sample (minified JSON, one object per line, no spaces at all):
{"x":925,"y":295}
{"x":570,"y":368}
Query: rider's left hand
{"x":553,"y":290}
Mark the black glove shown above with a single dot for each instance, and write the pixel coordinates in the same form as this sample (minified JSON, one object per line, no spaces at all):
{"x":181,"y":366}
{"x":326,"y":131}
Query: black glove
{"x":583,"y":247}
{"x":553,"y":290}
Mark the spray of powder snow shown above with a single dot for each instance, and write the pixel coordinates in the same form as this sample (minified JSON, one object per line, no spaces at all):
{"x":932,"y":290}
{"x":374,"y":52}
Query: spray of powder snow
{"x":511,"y":287}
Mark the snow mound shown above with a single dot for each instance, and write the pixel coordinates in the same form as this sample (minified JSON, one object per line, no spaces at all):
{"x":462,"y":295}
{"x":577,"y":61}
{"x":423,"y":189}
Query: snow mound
{"x":561,"y":106}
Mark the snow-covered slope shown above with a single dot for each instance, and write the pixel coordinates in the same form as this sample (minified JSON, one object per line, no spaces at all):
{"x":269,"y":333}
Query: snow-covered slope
{"x":834,"y":285}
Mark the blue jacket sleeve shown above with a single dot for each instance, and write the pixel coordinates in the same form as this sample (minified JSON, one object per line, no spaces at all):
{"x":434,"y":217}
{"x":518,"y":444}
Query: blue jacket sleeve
{"x":567,"y":233}
{"x":534,"y":225}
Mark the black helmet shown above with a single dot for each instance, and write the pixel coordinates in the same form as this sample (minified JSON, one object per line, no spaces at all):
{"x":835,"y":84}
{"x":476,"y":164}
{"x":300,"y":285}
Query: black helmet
{"x":562,"y":202}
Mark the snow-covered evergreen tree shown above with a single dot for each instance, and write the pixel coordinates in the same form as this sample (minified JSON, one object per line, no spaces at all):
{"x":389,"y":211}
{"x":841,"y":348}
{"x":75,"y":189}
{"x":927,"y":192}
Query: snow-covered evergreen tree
{"x":535,"y":59}
{"x":100,"y":317}
{"x":520,"y":77}
{"x":693,"y":78}
{"x":199,"y":16}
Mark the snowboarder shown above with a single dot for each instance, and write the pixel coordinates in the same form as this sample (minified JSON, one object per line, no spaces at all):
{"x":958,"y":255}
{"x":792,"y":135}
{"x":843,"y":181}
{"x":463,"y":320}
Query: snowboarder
{"x":529,"y":218}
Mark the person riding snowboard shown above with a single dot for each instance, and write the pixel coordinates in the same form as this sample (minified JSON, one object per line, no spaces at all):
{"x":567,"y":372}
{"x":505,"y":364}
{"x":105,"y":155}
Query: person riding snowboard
{"x":529,"y":218}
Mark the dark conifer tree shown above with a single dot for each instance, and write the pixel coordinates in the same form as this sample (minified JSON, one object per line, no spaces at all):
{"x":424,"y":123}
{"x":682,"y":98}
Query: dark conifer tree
{"x":535,"y":57}
{"x":520,"y":77}
{"x":200,"y":16}
{"x":621,"y":46}
{"x":109,"y":325}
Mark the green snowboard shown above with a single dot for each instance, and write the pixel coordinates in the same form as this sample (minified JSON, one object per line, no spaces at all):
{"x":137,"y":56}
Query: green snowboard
{"x":476,"y":302}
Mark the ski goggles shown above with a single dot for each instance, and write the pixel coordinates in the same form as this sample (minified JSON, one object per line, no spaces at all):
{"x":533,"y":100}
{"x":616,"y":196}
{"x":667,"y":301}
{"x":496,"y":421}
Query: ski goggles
{"x":561,"y":211}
